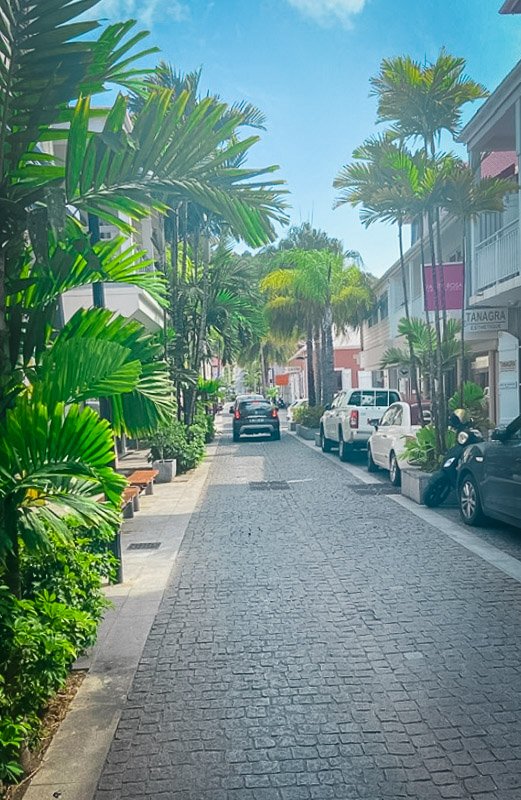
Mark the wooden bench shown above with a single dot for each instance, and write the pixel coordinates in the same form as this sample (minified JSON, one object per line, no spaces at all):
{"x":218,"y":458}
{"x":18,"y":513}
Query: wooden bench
{"x":130,"y":501}
{"x":143,"y":479}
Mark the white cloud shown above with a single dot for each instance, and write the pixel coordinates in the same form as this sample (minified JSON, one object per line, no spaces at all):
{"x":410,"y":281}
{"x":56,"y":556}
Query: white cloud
{"x":328,"y":12}
{"x":147,"y":12}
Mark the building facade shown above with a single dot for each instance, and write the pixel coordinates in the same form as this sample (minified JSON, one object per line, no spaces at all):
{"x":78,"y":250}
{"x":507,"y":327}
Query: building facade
{"x":494,"y":275}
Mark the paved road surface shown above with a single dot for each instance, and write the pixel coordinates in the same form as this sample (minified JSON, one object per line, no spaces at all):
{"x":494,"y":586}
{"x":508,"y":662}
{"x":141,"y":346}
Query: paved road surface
{"x":318,"y":642}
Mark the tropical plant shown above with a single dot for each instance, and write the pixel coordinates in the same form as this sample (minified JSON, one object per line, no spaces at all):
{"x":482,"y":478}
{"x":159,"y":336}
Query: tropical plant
{"x":317,"y":289}
{"x":471,"y":397}
{"x":308,"y":415}
{"x":421,"y":450}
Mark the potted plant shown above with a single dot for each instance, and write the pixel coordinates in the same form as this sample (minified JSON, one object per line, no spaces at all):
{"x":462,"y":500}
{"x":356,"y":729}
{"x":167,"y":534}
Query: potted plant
{"x":162,"y":456}
{"x":421,"y":460}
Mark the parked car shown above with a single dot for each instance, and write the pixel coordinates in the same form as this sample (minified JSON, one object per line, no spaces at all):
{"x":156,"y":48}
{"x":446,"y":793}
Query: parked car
{"x":255,"y":414}
{"x":386,"y":444}
{"x":489,"y":478}
{"x":346,"y":422}
{"x":291,"y":408}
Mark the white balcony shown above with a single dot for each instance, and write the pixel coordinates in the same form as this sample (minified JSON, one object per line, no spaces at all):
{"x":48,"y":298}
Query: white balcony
{"x":496,"y":260}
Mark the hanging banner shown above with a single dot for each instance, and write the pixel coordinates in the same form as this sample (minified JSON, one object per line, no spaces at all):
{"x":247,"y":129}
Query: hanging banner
{"x":450,"y":287}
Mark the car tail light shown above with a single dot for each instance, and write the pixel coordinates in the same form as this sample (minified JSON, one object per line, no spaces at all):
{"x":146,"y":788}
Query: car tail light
{"x":353,"y":419}
{"x":274,"y":413}
{"x":237,"y":414}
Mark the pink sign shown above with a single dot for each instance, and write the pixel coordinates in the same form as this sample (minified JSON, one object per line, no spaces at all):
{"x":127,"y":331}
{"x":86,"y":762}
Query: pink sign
{"x":450,"y":287}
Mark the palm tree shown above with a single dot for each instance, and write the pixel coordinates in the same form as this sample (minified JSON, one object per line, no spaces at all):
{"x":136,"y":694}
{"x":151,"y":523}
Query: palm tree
{"x":388,"y":182}
{"x":421,"y":101}
{"x":466,"y":197}
{"x":317,"y":288}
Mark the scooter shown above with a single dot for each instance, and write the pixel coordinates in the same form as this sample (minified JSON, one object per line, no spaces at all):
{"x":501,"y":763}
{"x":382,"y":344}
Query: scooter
{"x":445,"y":479}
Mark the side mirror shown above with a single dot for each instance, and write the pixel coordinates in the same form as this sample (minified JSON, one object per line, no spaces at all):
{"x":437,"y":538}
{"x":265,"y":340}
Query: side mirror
{"x":232,"y":410}
{"x":374,"y":423}
{"x":499,"y":435}
{"x":327,"y":407}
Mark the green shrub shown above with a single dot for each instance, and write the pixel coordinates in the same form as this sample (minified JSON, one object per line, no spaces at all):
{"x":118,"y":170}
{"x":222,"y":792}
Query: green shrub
{"x":185,"y":444}
{"x":475,"y":405}
{"x":309,"y":416}
{"x":44,"y":632}
{"x":420,"y":450}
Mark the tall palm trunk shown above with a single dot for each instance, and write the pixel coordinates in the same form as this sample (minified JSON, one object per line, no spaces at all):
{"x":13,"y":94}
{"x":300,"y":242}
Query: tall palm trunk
{"x":440,"y":388}
{"x":312,"y":397}
{"x":264,"y":369}
{"x":319,"y":388}
{"x":431,"y":394}
{"x":463,"y":305}
{"x":412,"y":356}
{"x":329,"y":359}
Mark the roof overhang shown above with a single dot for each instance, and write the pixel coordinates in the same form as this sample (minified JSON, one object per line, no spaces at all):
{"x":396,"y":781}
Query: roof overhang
{"x":497,"y":108}
{"x":511,"y":7}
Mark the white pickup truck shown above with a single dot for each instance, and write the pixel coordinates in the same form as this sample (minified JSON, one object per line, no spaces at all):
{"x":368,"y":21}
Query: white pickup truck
{"x":349,"y":421}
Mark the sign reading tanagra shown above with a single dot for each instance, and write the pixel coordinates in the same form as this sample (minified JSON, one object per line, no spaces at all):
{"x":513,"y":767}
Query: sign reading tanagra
{"x":486,"y":320}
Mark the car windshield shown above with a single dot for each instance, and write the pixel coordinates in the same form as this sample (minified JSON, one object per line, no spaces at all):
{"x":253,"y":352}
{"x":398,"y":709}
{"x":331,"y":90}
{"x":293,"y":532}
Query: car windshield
{"x":254,"y":404}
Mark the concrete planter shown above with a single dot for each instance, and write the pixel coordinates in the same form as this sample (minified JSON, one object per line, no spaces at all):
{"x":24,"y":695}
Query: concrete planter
{"x":293,"y":426}
{"x":166,"y":469}
{"x":414,"y":483}
{"x":306,"y":433}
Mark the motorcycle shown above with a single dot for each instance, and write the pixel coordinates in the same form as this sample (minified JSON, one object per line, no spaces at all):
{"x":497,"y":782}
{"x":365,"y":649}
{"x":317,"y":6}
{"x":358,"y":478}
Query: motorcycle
{"x":445,"y":479}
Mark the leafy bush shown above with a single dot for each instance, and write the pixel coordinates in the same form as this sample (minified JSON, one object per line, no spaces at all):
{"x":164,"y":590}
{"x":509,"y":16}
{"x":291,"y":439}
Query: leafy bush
{"x":420,"y":450}
{"x":185,"y":444}
{"x":475,"y":404}
{"x":44,"y":632}
{"x":309,"y":416}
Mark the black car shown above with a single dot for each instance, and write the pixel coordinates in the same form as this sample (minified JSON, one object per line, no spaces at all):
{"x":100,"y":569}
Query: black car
{"x":489,"y":479}
{"x":255,"y":415}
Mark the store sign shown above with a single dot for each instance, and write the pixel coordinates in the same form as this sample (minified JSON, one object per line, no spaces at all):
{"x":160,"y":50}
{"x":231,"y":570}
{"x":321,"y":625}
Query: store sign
{"x":508,"y":377}
{"x":450,"y":287}
{"x":485,"y":320}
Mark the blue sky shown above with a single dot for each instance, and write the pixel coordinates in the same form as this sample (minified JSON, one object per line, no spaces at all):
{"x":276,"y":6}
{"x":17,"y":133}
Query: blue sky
{"x":307,"y":63}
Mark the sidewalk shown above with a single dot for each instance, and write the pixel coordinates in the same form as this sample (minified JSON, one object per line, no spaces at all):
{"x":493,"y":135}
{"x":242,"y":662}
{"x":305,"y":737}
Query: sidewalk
{"x":74,"y":761}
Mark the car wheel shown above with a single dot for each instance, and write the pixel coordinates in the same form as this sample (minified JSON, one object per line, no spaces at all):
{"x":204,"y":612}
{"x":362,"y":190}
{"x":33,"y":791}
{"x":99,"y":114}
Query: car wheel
{"x":395,"y":473}
{"x":275,"y":436}
{"x":344,"y":450}
{"x":236,"y":436}
{"x":371,"y":466}
{"x":470,"y":506}
{"x":325,"y":443}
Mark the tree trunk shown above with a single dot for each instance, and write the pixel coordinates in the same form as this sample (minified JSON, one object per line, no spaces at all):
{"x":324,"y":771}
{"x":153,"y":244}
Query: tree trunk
{"x":463,"y":306}
{"x":328,"y":366}
{"x":412,"y":356}
{"x":431,"y":393}
{"x":264,"y":370}
{"x":319,"y":388}
{"x":440,"y":389}
{"x":312,"y":397}
{"x":440,"y":262}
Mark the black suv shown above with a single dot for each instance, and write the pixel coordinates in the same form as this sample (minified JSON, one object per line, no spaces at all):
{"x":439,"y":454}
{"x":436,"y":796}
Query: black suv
{"x":255,"y":414}
{"x":489,"y":478}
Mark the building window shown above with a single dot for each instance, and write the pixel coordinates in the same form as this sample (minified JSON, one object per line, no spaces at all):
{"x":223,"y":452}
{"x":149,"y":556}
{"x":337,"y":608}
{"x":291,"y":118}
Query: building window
{"x":384,"y":306}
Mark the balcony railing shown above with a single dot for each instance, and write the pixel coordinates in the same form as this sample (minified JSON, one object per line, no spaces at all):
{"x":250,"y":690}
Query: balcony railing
{"x":497,"y":258}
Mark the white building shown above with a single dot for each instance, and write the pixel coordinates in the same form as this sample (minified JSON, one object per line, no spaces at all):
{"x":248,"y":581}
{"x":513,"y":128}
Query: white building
{"x":493,"y":138}
{"x":127,"y":300}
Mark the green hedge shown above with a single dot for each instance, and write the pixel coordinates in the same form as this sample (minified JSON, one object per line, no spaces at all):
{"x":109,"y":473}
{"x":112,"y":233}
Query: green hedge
{"x":42,"y":633}
{"x":184,"y":443}
{"x":309,"y":416}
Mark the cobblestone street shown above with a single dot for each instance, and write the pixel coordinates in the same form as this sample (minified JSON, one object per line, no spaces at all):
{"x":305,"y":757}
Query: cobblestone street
{"x":318,"y":641}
